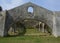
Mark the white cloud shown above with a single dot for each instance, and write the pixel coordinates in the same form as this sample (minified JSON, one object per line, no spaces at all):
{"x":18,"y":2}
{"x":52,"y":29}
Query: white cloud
{"x":8,"y":4}
{"x":50,"y":4}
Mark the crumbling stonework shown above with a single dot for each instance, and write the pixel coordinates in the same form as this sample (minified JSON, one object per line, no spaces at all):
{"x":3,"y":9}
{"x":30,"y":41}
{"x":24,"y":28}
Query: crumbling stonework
{"x":21,"y":12}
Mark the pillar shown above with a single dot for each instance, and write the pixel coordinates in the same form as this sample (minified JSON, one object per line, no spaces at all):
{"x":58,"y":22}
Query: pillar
{"x":54,"y":26}
{"x":3,"y":31}
{"x":39,"y":26}
{"x":43,"y":27}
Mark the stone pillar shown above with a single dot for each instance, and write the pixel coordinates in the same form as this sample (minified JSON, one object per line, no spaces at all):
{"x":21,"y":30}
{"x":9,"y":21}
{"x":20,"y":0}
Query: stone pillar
{"x":54,"y":26}
{"x":43,"y":27}
{"x":2,"y":23}
{"x":39,"y":26}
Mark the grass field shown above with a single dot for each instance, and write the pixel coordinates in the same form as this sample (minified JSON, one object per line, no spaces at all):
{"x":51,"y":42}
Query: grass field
{"x":31,"y":38}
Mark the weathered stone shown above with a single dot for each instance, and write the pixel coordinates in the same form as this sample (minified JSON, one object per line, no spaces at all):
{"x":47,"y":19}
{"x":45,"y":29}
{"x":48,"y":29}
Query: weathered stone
{"x":2,"y":23}
{"x":20,"y":13}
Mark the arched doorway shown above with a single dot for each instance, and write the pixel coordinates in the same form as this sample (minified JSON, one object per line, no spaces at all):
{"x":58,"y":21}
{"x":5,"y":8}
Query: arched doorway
{"x":17,"y":28}
{"x":36,"y":27}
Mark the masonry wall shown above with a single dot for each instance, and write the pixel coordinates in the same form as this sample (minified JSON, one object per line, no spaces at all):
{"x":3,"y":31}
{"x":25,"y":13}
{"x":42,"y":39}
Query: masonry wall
{"x":56,"y":24}
{"x":57,"y":18}
{"x":21,"y":12}
{"x":2,"y":22}
{"x":39,"y":13}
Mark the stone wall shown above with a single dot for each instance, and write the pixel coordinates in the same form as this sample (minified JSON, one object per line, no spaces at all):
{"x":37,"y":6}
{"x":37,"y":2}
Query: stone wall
{"x":56,"y":22}
{"x":2,"y":22}
{"x":39,"y":13}
{"x":21,"y":12}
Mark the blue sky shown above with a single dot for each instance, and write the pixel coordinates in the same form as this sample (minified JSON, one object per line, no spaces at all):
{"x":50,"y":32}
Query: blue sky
{"x":53,"y":5}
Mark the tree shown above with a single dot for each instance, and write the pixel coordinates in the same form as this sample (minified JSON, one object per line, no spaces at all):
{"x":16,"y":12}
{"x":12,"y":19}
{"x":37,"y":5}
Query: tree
{"x":0,"y":8}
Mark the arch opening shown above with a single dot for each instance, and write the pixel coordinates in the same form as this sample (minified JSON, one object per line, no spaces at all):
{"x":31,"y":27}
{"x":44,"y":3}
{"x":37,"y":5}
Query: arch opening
{"x":31,"y":25}
{"x":17,"y":29}
{"x":36,"y":26}
{"x":30,"y":10}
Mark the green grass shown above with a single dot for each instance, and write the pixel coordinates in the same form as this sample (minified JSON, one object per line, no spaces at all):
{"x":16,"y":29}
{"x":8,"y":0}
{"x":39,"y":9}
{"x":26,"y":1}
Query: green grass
{"x":30,"y":39}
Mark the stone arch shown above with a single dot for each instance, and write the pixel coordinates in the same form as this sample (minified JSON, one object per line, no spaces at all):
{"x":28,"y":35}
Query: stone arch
{"x":18,"y":28}
{"x":39,"y":13}
{"x":43,"y":27}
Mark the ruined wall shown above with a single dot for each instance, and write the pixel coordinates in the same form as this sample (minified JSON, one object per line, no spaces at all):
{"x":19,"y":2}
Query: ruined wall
{"x":21,"y":12}
{"x":2,"y":22}
{"x":56,"y":28}
{"x":39,"y":13}
{"x":52,"y":19}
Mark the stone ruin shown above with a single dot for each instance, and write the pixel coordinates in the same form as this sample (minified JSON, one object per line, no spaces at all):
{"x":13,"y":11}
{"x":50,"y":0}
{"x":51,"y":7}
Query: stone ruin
{"x":10,"y":17}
